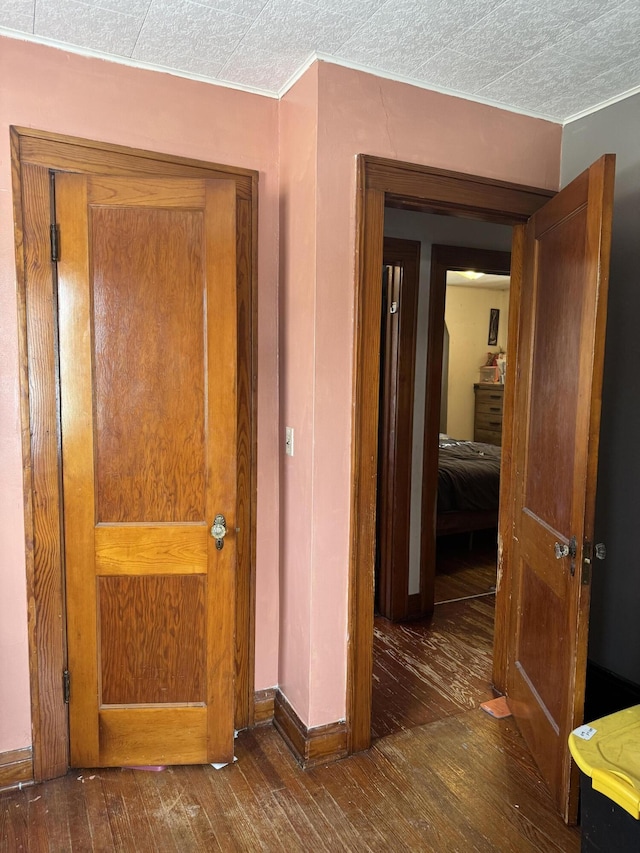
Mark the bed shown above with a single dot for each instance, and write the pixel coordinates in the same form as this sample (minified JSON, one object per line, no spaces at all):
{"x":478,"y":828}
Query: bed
{"x":468,"y":486}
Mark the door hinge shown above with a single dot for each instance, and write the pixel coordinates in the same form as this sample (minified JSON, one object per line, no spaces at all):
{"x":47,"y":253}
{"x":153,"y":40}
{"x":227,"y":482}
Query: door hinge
{"x":66,"y":686}
{"x":587,"y":554}
{"x":54,"y":231}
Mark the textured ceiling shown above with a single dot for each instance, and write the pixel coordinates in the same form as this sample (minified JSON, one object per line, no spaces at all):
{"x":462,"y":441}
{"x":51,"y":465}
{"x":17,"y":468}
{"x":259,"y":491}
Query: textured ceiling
{"x":554,"y":58}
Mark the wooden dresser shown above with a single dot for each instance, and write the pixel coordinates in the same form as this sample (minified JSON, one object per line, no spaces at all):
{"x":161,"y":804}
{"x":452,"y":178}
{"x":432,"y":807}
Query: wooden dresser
{"x":487,"y":425}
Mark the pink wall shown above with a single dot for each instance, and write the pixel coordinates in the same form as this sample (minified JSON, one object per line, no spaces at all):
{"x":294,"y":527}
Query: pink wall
{"x":52,"y":90}
{"x":360,"y":113}
{"x":327,"y":118}
{"x":298,"y":159}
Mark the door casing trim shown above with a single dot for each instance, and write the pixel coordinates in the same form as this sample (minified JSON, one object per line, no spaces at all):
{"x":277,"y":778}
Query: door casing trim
{"x":37,"y":332}
{"x":382,"y":182}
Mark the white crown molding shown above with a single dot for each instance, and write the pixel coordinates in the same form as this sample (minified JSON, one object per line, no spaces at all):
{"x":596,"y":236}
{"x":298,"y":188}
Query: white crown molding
{"x":601,"y":106}
{"x":399,"y":78}
{"x":134,"y":63}
{"x":313,"y":57}
{"x":300,"y":72}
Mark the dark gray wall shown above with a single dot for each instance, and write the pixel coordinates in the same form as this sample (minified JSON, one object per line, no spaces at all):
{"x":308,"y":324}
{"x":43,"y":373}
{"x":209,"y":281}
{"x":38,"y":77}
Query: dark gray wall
{"x":615,"y":610}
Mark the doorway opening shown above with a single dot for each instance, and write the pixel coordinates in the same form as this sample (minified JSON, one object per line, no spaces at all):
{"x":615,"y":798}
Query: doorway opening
{"x":439,"y":661}
{"x":390,"y":184}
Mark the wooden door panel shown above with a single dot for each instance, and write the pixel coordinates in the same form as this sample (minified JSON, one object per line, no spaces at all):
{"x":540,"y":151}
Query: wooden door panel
{"x":153,"y":736}
{"x":150,"y":442}
{"x":558,"y":391}
{"x":148,"y":400}
{"x":540,"y":650}
{"x":536,"y":541}
{"x":555,"y":376}
{"x":150,"y":639}
{"x":134,"y":192}
{"x":151,"y":550}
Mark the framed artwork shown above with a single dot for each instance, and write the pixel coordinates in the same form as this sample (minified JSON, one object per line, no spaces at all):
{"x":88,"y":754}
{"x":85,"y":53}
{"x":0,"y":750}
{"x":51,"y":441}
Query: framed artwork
{"x":494,"y":320}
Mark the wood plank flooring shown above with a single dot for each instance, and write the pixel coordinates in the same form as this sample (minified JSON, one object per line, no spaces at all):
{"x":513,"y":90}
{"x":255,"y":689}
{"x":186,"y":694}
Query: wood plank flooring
{"x":463,"y":571}
{"x":423,"y":671}
{"x":465,"y":783}
{"x":428,"y":669}
{"x":457,"y":780}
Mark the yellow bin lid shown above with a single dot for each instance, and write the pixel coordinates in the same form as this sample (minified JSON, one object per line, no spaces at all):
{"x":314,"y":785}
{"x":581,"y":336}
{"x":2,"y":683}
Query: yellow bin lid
{"x":608,"y":750}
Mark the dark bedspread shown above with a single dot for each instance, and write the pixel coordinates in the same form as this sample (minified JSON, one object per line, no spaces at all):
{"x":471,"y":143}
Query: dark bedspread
{"x":468,"y":476}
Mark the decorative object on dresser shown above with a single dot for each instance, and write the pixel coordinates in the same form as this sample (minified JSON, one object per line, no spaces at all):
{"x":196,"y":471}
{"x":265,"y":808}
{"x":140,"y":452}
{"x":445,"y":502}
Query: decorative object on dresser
{"x":487,"y":426}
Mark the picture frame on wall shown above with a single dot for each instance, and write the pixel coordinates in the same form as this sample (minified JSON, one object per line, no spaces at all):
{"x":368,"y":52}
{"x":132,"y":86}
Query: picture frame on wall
{"x":494,"y":321}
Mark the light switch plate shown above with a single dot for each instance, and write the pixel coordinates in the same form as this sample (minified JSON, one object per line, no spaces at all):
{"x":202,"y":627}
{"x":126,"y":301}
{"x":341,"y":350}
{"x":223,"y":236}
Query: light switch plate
{"x":288,"y":441}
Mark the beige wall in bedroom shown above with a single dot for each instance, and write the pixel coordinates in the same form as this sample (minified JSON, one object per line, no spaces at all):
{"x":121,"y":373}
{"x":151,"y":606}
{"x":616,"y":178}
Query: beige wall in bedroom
{"x":467,"y":318}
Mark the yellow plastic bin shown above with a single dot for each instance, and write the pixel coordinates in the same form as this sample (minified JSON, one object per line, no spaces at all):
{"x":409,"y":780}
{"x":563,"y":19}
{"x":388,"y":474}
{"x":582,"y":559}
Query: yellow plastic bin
{"x":607,"y":752}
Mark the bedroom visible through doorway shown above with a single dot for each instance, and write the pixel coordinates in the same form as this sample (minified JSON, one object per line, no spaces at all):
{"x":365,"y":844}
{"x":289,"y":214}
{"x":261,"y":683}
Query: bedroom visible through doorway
{"x":413,"y":679}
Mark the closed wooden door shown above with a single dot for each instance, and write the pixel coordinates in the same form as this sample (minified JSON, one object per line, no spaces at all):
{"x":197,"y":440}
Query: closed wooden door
{"x":147,"y":328}
{"x":557,"y":417}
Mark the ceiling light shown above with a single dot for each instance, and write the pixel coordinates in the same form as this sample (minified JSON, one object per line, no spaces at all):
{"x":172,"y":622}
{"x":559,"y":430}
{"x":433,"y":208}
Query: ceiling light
{"x":470,"y":274}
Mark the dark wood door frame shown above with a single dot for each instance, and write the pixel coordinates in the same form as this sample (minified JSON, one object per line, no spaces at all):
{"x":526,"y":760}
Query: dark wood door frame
{"x":393,"y":183}
{"x":35,"y":154}
{"x":396,"y":431}
{"x":443,"y":258}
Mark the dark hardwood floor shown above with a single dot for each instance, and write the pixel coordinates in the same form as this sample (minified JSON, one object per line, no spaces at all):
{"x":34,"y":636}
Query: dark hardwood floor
{"x":430,"y":668}
{"x":424,"y":671}
{"x":464,"y":783}
{"x":450,"y":778}
{"x":466,"y":566}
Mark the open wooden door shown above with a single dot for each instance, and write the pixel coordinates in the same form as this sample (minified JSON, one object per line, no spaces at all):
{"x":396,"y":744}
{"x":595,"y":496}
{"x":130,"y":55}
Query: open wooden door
{"x":147,"y":308}
{"x":400,"y":280}
{"x":557,"y":417}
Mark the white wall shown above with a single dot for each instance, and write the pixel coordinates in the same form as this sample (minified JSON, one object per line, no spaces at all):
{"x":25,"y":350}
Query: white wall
{"x":431,"y":229}
{"x":614,"y":641}
{"x":467,"y":318}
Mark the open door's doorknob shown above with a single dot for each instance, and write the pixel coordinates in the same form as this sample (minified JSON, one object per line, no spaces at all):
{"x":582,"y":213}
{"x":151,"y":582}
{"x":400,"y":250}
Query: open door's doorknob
{"x":569,"y":550}
{"x":219,"y":531}
{"x":601,"y":551}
